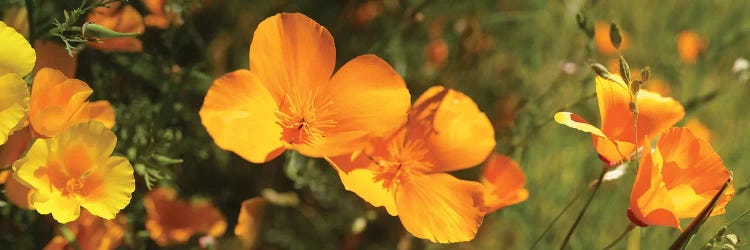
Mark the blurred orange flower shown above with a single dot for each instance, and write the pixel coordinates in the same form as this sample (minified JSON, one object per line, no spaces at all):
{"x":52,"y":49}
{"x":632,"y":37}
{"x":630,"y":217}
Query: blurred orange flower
{"x":171,"y":221}
{"x":161,"y":16}
{"x":699,"y":130}
{"x":101,"y":111}
{"x":504,"y":183}
{"x":677,"y":180}
{"x":56,"y":102}
{"x":53,"y":55}
{"x":249,"y":221}
{"x":75,"y":170}
{"x":602,"y":40}
{"x":288,"y":99}
{"x":92,"y":233}
{"x":120,"y":18}
{"x":616,"y":140}
{"x":405,"y":170}
{"x":436,"y":53}
{"x":690,"y":45}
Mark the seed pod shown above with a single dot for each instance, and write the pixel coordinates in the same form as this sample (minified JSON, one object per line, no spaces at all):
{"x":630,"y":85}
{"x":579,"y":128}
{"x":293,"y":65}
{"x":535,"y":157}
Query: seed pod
{"x":635,"y":86}
{"x":614,"y":35}
{"x":645,"y":74}
{"x":624,"y":70}
{"x":602,"y":71}
{"x":93,"y":31}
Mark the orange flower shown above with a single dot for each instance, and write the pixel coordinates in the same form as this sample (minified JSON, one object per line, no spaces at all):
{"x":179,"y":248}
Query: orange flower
{"x":602,"y":40}
{"x":171,"y":221}
{"x":101,"y":111}
{"x":56,"y":102}
{"x":120,"y":18}
{"x":699,"y":130}
{"x":75,"y":170}
{"x":161,"y":15}
{"x":677,"y":180}
{"x":616,"y":139}
{"x":690,"y":45}
{"x":405,"y":171}
{"x":288,"y":100}
{"x":249,"y":220}
{"x":17,"y":144}
{"x":92,"y":233}
{"x":504,"y":183}
{"x":436,"y":53}
{"x":53,"y":55}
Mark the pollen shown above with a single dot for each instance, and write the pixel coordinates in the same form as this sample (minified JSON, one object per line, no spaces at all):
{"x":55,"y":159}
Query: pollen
{"x":301,"y":121}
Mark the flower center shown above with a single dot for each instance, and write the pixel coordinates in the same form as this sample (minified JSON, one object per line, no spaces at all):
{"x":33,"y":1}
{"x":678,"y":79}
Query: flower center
{"x":73,"y":186}
{"x":300,"y":119}
{"x":402,"y":160}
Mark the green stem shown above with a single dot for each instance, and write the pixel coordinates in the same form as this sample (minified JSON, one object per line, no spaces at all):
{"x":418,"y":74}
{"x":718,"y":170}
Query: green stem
{"x":559,"y":215}
{"x":630,"y":227}
{"x":583,"y":211}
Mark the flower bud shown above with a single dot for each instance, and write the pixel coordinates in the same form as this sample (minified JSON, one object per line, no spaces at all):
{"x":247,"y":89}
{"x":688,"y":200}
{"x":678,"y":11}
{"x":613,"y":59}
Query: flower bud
{"x":93,"y":31}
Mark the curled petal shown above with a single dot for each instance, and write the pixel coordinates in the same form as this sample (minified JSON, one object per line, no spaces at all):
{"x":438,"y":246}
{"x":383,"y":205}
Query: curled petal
{"x":503,"y":182}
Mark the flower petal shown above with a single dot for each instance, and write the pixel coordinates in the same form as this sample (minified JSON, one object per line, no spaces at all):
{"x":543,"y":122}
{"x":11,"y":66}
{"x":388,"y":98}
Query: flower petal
{"x":16,"y":47}
{"x":115,"y":182}
{"x":11,"y":151}
{"x":56,"y":102}
{"x":650,"y":202}
{"x":291,"y":52}
{"x":62,"y":208}
{"x":239,"y":114}
{"x":504,"y":182}
{"x":439,"y":207}
{"x":14,"y":102}
{"x":249,"y":221}
{"x":362,"y":182}
{"x":577,"y":122}
{"x":18,"y":194}
{"x":34,"y":160}
{"x":100,"y":111}
{"x":367,"y":97}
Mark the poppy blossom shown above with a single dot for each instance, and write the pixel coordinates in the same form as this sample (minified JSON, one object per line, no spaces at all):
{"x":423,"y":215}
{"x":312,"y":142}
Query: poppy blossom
{"x":160,"y":15}
{"x":504,"y":183}
{"x":603,"y":42}
{"x":616,"y":139}
{"x":689,"y":46}
{"x":170,"y":220}
{"x":699,"y":129}
{"x":120,"y":18}
{"x":677,"y":180}
{"x":249,"y":220}
{"x":18,"y":59}
{"x":436,"y":53}
{"x":56,"y":103}
{"x":288,"y":99}
{"x":92,"y":233}
{"x":404,"y":171}
{"x":74,"y":170}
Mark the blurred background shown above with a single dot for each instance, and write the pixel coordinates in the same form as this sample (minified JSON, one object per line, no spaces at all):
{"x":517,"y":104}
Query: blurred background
{"x":521,"y":61}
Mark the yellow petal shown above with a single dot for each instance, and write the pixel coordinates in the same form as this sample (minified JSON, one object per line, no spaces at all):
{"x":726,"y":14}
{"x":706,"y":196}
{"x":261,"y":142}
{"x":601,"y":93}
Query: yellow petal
{"x":289,"y":52}
{"x":362,"y":182}
{"x":577,"y":122}
{"x":439,"y":207}
{"x":63,"y":209}
{"x":14,"y":102}
{"x":114,"y":193}
{"x":26,"y":167}
{"x":239,"y":114}
{"x":15,"y":46}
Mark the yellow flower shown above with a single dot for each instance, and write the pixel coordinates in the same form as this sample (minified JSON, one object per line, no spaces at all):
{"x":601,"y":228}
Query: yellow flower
{"x":75,"y":170}
{"x":16,"y":60}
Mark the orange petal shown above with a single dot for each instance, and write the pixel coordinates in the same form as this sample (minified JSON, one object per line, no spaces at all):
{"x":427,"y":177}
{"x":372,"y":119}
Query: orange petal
{"x":693,"y":172}
{"x":14,"y":148}
{"x":56,"y":102}
{"x":170,"y":220}
{"x":101,"y":111}
{"x":504,"y":183}
{"x":239,"y":114}
{"x":602,"y":40}
{"x":360,"y":106}
{"x":363,"y":182}
{"x":53,"y":55}
{"x":458,"y":135}
{"x":439,"y":207}
{"x":291,"y":52}
{"x":249,"y":220}
{"x":699,"y":129}
{"x":650,"y":202}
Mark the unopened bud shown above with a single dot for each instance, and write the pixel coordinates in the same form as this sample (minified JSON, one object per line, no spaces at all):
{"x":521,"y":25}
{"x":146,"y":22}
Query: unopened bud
{"x":645,"y":74}
{"x":614,"y":35}
{"x":93,"y":31}
{"x":635,"y":86}
{"x":624,"y":70}
{"x":602,"y":71}
{"x":634,"y":108}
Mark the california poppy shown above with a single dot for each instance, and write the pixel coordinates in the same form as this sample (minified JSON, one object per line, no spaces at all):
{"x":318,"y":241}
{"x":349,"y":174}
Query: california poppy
{"x":404,"y":171}
{"x":699,"y":129}
{"x":616,"y":139}
{"x":92,"y":233}
{"x":504,"y":183}
{"x":74,"y":170}
{"x":121,"y":18}
{"x":18,"y":59}
{"x":676,"y":180}
{"x":170,"y":220}
{"x":288,"y":99}
{"x":689,"y":46}
{"x":249,"y":220}
{"x":603,"y":41}
{"x":57,"y":102}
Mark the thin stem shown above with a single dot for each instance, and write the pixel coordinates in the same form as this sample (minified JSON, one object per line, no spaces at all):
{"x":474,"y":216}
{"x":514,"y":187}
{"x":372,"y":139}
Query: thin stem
{"x":738,"y":218}
{"x":30,"y":16}
{"x":559,"y":215}
{"x":583,"y":211}
{"x":629,"y":228}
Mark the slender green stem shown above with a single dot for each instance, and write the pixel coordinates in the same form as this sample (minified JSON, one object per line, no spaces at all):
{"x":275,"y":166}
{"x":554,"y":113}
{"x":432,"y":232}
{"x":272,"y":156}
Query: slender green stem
{"x":629,"y":228}
{"x":738,"y":218}
{"x":559,"y":215}
{"x":583,"y":211}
